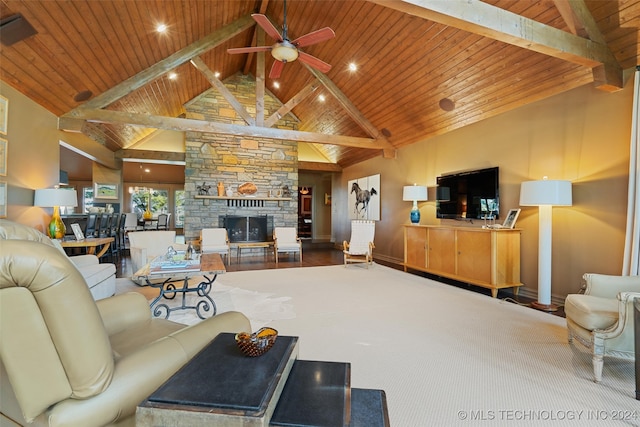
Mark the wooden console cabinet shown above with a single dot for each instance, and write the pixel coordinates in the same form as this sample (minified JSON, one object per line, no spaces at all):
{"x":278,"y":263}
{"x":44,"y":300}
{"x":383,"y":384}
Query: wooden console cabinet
{"x":489,"y":258}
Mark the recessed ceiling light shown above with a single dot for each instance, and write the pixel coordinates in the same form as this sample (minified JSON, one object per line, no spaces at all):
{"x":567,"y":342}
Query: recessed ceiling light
{"x":147,"y":170}
{"x":353,"y":67}
{"x":321,"y":98}
{"x":161,"y":28}
{"x":276,"y":85}
{"x":216,"y":74}
{"x":173,"y":76}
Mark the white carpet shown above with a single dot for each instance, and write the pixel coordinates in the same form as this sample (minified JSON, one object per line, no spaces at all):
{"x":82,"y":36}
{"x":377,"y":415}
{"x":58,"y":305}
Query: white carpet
{"x":445,"y":356}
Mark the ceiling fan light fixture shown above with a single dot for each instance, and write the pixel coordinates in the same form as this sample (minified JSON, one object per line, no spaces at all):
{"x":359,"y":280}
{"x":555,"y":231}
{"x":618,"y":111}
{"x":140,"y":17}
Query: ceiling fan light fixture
{"x":284,"y":51}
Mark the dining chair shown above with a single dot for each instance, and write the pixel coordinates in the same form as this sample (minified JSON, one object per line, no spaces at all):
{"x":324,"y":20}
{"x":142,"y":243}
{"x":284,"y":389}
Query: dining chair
{"x":163,"y":222}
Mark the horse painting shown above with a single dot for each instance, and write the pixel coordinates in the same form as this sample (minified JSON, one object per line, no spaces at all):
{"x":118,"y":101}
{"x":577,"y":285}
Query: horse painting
{"x":362,"y":198}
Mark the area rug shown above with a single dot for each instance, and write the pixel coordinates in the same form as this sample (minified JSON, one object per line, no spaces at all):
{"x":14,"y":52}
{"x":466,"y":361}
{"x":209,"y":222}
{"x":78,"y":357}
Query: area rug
{"x":445,"y":356}
{"x":261,"y":308}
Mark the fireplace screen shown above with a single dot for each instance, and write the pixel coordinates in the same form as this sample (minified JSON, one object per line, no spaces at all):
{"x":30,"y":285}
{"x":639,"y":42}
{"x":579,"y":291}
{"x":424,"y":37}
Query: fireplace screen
{"x":246,"y":228}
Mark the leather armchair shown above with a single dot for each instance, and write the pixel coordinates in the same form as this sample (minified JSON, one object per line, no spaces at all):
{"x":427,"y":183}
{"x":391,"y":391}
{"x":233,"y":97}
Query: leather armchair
{"x":67,"y":360}
{"x":602,"y":318}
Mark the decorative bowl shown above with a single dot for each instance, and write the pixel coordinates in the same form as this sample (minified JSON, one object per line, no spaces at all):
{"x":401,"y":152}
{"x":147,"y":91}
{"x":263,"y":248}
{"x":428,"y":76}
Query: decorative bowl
{"x":257,"y":343}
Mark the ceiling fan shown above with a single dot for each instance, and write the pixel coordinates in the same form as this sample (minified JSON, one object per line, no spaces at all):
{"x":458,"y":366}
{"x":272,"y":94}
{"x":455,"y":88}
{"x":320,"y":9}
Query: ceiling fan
{"x":286,"y":50}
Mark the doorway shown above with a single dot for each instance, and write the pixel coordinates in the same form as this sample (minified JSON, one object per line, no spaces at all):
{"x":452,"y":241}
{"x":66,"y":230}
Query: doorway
{"x":305,"y":213}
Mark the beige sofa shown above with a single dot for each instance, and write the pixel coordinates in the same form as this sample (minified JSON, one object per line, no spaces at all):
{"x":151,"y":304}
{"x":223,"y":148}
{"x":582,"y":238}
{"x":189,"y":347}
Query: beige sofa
{"x":100,"y":278}
{"x":67,"y":360}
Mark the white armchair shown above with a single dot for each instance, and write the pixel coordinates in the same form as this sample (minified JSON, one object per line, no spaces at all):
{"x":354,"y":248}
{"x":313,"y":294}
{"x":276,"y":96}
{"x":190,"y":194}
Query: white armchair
{"x":360,"y":246}
{"x":146,"y":245}
{"x":602,"y":318}
{"x":285,"y":240}
{"x":216,"y":241}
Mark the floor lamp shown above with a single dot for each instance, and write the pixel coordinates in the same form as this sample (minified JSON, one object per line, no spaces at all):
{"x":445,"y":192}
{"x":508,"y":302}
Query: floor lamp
{"x":545,"y":194}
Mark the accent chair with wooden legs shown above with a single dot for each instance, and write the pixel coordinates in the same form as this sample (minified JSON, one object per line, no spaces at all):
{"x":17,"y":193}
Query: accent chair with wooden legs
{"x":286,"y":240}
{"x":360,"y":247}
{"x":602,"y":318}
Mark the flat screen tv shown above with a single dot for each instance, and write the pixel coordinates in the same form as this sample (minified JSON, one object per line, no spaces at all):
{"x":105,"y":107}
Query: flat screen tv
{"x":468,"y":195}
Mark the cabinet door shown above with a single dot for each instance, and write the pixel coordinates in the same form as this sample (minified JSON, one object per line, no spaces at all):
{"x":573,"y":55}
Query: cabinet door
{"x":474,"y":255}
{"x":441,"y":244}
{"x":415,"y":251}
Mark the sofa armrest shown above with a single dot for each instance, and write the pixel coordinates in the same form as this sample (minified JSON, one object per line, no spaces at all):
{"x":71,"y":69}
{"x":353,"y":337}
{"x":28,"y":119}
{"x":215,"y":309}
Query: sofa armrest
{"x":123,"y":311}
{"x":84,"y":260}
{"x":606,"y":286}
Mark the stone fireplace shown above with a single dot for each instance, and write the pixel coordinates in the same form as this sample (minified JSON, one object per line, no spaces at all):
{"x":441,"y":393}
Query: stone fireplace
{"x":270,"y":164}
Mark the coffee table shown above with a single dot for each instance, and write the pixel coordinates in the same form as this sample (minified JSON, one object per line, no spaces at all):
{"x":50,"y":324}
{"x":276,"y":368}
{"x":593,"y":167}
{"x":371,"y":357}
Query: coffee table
{"x":221,"y":386}
{"x":165,"y":278}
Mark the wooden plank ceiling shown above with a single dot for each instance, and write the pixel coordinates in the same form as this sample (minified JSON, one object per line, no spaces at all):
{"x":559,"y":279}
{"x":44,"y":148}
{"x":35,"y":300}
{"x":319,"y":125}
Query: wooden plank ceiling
{"x":407,"y":63}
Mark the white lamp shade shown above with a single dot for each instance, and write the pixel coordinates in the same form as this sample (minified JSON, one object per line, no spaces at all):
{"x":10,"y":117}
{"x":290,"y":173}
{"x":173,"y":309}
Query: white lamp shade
{"x":50,"y":197}
{"x":545,"y":192}
{"x":414,"y":192}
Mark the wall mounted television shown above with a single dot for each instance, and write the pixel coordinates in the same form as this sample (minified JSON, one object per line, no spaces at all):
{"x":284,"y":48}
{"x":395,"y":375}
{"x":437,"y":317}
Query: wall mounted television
{"x":468,"y":195}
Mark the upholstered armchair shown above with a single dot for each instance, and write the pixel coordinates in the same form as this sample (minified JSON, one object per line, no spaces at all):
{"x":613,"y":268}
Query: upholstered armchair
{"x":285,"y":240}
{"x":360,"y":247}
{"x":602,"y":318}
{"x":215,"y":241}
{"x":67,"y":360}
{"x":144,"y":246}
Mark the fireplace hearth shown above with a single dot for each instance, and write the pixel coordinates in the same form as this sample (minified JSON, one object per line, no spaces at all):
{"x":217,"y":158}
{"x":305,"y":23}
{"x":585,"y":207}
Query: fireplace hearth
{"x":248,"y":228}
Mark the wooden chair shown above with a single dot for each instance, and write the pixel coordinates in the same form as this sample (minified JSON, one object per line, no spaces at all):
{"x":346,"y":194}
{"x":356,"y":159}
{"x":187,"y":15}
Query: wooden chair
{"x":285,"y":240}
{"x":360,"y":248}
{"x":163,"y":222}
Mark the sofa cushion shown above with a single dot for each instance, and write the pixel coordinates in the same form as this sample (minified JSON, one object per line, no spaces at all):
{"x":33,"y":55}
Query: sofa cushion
{"x":591,"y":312}
{"x":94,"y":274}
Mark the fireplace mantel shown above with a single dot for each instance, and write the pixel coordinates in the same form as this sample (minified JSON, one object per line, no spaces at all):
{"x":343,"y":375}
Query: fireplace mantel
{"x":275,"y":199}
{"x":246,"y":202}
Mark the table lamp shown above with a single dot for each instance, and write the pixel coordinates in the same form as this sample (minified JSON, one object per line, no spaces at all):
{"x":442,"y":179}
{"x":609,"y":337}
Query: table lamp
{"x":545,"y":194}
{"x":56,"y":197}
{"x":414,"y":193}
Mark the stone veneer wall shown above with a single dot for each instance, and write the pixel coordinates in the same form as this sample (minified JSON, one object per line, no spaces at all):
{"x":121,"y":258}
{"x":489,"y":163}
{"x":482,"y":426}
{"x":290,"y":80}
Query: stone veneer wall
{"x":211,"y":158}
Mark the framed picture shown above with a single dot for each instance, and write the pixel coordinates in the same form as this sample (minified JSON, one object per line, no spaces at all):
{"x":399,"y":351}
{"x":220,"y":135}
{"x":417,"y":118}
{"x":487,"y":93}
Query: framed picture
{"x":4,"y":114}
{"x":510,"y":220}
{"x":4,"y":148}
{"x":3,"y":199}
{"x":77,"y":231}
{"x":105,"y":191}
{"x":364,"y":198}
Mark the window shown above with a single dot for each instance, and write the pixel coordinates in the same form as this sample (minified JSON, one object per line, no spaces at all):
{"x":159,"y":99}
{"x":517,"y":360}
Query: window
{"x":178,"y":198}
{"x":159,"y":201}
{"x":87,"y":198}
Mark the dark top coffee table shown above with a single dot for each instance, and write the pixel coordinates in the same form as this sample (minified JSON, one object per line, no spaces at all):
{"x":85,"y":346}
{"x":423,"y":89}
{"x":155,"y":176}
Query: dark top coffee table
{"x":221,"y":386}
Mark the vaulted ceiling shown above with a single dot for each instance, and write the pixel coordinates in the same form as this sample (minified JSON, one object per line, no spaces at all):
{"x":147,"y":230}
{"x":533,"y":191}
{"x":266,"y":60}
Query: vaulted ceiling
{"x":425,"y":67}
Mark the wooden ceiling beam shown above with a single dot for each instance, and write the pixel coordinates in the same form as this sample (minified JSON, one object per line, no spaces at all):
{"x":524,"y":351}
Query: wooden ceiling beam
{"x":180,"y":124}
{"x":164,"y":156}
{"x":262,"y":10}
{"x":389,"y":151}
{"x":480,"y":18}
{"x":290,"y":104}
{"x":319,"y":166}
{"x":158,"y":69}
{"x":199,"y":64}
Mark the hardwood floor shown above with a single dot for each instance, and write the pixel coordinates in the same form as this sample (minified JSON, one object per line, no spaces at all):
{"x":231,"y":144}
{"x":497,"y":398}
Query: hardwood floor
{"x":320,"y":254}
{"x":313,"y":254}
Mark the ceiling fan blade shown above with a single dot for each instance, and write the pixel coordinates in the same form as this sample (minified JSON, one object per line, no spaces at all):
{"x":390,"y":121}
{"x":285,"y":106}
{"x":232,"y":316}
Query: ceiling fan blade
{"x":249,"y":49}
{"x":314,"y":37}
{"x":314,"y":62}
{"x":267,"y":26}
{"x":276,"y":69}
